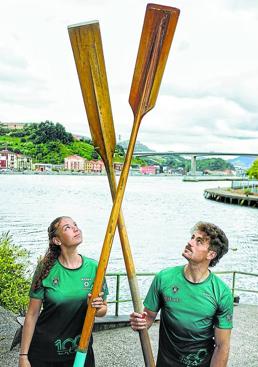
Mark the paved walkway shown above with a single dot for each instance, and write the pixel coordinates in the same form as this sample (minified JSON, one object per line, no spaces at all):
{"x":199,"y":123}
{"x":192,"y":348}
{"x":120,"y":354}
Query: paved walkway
{"x":121,"y":347}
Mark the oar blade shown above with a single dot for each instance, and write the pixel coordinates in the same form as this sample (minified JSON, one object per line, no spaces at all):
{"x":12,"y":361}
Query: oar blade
{"x":156,"y":38}
{"x":89,"y":59}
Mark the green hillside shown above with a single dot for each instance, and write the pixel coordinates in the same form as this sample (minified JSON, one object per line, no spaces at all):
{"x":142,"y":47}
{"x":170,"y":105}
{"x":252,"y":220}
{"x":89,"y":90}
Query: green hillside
{"x":48,"y":142}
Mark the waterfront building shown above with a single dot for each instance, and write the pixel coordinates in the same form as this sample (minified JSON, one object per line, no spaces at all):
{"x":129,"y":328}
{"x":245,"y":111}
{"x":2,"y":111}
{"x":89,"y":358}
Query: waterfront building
{"x":74,"y":163}
{"x":23,"y":162}
{"x":94,"y":166}
{"x":118,"y":166}
{"x":43,"y":167}
{"x":149,"y":170}
{"x":13,"y":161}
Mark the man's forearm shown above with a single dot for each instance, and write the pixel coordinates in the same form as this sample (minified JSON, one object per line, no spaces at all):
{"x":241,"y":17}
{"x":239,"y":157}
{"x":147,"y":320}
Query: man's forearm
{"x":220,"y":356}
{"x":149,"y":320}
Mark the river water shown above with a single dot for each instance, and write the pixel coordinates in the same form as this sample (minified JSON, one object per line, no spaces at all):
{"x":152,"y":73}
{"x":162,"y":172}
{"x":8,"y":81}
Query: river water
{"x":159,"y":213}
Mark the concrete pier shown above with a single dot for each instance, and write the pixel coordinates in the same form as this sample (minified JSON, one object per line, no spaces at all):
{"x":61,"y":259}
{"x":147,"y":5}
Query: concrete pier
{"x":120,"y":347}
{"x":228,"y":197}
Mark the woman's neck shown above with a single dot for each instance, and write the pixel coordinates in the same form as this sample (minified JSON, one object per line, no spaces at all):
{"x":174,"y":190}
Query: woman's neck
{"x":70,"y":260}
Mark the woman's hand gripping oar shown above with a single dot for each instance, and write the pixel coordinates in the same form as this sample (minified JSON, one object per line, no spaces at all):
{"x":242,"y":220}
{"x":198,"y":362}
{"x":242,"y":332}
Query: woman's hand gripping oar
{"x":157,"y":34}
{"x":87,"y":48}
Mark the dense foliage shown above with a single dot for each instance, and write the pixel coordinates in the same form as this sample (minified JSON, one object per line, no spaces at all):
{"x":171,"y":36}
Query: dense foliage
{"x":49,"y":143}
{"x":253,"y":170}
{"x":14,"y":276}
{"x":213,"y":164}
{"x":3,"y":129}
{"x":176,"y":161}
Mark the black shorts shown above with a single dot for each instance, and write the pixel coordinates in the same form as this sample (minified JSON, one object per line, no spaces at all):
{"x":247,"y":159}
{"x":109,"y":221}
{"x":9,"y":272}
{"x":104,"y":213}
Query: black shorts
{"x":90,"y":362}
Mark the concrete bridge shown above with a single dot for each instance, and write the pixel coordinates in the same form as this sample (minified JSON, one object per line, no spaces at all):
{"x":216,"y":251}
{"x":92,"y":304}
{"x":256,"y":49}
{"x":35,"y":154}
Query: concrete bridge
{"x":193,"y":155}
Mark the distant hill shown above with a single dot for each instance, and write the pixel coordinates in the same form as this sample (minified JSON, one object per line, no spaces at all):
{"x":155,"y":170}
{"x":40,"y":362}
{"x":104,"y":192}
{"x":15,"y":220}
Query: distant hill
{"x":243,"y":161}
{"x":139,"y":147}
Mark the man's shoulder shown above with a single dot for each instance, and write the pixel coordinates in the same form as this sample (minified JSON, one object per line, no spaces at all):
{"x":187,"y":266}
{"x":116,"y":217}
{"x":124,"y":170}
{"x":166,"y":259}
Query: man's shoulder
{"x":171,"y":271}
{"x":219,"y":283}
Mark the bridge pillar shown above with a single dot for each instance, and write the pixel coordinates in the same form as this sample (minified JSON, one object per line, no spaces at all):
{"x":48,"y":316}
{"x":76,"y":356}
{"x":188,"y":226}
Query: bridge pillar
{"x":193,"y":165}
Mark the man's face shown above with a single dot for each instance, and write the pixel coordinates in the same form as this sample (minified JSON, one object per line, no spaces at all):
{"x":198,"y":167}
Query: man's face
{"x":197,"y":248}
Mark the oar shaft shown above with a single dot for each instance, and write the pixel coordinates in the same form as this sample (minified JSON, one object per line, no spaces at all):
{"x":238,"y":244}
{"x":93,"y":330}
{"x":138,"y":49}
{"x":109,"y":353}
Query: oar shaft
{"x":109,"y":237}
{"x":131,"y":274}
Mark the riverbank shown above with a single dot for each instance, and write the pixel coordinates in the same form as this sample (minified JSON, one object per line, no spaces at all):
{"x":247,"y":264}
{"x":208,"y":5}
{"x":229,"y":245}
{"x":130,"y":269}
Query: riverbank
{"x":121,"y":347}
{"x":211,"y":178}
{"x":231,"y":197}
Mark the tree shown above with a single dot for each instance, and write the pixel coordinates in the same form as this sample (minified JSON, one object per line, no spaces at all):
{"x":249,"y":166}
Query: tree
{"x":94,"y":155}
{"x":14,"y":276}
{"x":3,"y":129}
{"x":120,"y":150}
{"x":253,"y":170}
{"x":48,"y":131}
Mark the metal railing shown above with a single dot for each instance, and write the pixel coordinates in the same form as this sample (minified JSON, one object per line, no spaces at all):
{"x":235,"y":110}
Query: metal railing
{"x":252,"y":185}
{"x":232,"y":285}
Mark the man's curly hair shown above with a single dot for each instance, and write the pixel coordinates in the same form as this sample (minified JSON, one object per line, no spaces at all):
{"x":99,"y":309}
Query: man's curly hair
{"x":218,"y":239}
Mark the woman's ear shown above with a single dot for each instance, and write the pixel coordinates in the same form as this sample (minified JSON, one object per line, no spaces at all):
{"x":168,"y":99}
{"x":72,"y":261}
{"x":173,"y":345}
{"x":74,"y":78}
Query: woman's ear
{"x":56,"y":241}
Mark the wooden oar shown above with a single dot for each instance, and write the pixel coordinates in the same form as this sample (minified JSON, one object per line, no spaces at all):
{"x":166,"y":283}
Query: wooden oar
{"x":88,"y":54}
{"x":157,"y":34}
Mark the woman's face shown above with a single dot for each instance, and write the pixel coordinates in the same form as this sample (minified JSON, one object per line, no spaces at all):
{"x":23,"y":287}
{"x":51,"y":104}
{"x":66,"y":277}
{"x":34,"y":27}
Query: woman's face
{"x":67,"y":233}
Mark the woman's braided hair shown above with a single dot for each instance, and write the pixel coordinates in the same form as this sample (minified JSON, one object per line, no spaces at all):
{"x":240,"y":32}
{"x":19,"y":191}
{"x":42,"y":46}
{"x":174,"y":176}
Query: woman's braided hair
{"x":51,"y":255}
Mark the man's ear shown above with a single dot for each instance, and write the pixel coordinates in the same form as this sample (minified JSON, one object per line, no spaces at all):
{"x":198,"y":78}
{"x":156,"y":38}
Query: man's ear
{"x":211,"y":255}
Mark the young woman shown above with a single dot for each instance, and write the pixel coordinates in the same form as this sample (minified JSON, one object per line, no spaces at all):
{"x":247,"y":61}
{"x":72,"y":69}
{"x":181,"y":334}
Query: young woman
{"x":62,"y":283}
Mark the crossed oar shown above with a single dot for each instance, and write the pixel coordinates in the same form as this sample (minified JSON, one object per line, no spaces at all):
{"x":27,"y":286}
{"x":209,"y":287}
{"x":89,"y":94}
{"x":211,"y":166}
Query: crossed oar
{"x":157,"y":34}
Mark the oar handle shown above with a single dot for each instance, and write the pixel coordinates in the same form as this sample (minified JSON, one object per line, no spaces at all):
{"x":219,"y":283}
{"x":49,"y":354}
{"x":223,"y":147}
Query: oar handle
{"x":80,"y":359}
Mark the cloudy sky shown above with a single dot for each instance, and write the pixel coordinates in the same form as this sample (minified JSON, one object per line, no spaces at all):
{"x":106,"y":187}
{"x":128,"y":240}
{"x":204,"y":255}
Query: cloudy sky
{"x":208,"y":100}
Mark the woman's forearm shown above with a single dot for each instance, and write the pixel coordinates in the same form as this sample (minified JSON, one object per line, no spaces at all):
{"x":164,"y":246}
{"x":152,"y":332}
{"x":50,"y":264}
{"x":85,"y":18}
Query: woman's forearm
{"x":27,"y":332}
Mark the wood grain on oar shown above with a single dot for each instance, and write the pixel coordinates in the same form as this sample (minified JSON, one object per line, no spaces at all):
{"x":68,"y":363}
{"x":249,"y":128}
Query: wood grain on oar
{"x":88,"y":54}
{"x":156,"y":38}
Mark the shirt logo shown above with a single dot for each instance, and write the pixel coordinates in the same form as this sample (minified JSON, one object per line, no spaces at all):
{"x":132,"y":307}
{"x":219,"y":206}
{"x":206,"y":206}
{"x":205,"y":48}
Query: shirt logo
{"x":87,"y":283}
{"x":55,"y":281}
{"x":175,"y":289}
{"x":229,"y":317}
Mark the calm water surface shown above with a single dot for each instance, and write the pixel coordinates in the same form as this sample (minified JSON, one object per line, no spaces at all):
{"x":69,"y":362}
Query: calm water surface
{"x":158,"y":211}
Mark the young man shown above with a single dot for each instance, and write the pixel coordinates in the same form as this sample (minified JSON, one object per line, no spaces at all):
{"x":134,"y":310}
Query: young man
{"x":196,"y":306}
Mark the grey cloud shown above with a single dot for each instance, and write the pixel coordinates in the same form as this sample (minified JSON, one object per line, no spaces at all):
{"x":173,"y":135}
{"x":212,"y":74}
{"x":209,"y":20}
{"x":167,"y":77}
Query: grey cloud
{"x":241,"y":4}
{"x":36,"y":101}
{"x":240,"y":137}
{"x":236,"y":88}
{"x":183,"y":46}
{"x":20,"y":78}
{"x":25,"y":97}
{"x":8,"y":58}
{"x":244,"y":100}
